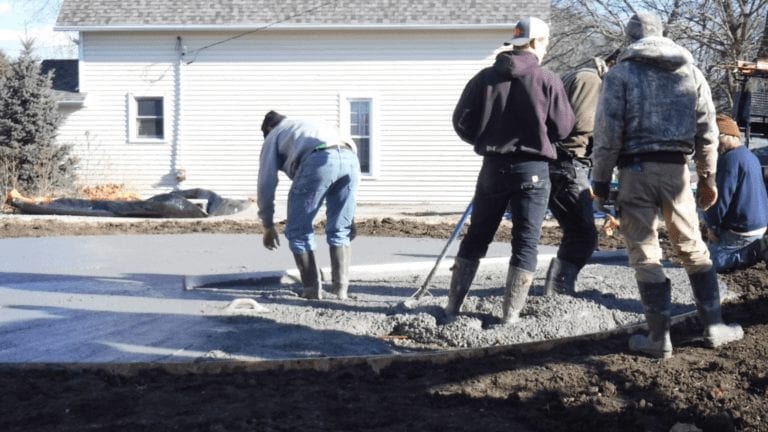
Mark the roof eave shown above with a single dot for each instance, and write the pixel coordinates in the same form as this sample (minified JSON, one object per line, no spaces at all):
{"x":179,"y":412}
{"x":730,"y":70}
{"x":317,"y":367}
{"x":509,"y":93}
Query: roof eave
{"x":67,"y":98}
{"x":253,"y":27}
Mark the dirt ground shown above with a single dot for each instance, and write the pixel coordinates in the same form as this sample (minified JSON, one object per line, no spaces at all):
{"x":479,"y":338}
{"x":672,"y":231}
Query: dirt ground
{"x":595,"y":386}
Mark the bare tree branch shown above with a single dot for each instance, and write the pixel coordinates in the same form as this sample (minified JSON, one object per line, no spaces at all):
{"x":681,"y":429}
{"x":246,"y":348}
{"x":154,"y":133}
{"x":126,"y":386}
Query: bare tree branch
{"x":717,"y":32}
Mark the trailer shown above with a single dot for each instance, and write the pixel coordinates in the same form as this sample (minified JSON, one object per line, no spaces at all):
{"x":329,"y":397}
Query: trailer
{"x":751,"y":108}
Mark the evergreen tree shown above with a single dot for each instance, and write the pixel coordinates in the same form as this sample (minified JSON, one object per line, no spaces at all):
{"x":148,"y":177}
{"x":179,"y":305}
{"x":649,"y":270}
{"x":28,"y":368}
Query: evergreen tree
{"x":5,"y":65}
{"x":30,"y":159}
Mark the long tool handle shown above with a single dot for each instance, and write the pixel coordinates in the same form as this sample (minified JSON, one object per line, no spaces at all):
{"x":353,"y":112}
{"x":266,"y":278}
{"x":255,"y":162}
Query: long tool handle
{"x":424,"y":290}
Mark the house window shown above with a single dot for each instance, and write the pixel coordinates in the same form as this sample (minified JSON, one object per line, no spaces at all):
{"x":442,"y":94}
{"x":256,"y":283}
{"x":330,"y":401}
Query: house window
{"x":358,"y":117}
{"x":149,"y":118}
{"x":360,"y":129}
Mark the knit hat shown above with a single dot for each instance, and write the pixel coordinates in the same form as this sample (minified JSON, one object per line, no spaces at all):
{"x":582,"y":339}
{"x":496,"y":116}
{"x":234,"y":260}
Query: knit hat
{"x":643,"y":25}
{"x":727,"y":126}
{"x":271,"y":119}
{"x":527,"y":29}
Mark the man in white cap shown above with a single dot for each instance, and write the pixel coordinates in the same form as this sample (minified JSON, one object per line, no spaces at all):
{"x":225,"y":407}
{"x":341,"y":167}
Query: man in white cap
{"x":655,"y":109}
{"x":511,"y":113}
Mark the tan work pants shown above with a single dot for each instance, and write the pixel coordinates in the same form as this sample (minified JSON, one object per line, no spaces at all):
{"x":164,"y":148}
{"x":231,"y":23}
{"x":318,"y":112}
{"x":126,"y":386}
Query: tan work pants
{"x":644,"y":189}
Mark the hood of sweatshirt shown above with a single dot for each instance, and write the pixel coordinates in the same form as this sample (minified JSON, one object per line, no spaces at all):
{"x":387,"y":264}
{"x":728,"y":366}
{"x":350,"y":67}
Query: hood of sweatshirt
{"x":657,"y":51}
{"x":514,"y":64}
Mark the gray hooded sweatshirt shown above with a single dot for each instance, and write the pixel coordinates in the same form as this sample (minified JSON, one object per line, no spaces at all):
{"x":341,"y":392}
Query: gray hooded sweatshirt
{"x":654,"y":100}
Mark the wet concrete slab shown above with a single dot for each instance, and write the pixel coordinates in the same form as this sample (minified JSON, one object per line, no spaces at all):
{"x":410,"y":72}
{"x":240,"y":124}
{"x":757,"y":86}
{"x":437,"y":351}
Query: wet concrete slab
{"x":121,"y":298}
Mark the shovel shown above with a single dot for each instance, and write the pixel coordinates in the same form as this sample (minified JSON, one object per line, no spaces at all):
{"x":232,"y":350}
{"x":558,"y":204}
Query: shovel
{"x":424,"y":290}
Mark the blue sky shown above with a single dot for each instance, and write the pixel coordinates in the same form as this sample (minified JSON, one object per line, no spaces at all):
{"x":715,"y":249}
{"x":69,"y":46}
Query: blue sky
{"x":33,"y":18}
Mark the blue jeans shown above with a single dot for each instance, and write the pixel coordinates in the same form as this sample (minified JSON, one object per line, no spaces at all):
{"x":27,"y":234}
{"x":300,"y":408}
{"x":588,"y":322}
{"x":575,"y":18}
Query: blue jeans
{"x":571,"y":204}
{"x":524,"y":186}
{"x":331,"y":176}
{"x":734,"y":252}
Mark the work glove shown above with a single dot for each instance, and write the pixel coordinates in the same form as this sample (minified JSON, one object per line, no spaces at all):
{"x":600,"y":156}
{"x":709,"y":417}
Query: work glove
{"x":271,"y":238}
{"x":600,"y":191}
{"x":706,"y":193}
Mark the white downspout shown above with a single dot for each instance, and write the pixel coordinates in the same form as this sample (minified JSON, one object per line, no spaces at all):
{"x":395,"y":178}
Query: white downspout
{"x":178,"y":168}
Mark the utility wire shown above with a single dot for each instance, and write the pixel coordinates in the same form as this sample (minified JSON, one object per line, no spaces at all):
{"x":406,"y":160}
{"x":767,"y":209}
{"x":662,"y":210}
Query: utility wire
{"x":197,"y":51}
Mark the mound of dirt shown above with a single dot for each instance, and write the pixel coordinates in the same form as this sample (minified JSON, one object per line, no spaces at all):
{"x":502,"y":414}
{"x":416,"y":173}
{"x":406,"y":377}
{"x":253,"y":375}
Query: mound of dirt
{"x":574,"y":386}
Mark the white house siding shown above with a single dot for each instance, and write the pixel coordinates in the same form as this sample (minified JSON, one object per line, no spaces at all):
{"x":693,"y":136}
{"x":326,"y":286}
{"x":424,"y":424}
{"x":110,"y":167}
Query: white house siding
{"x":416,"y":77}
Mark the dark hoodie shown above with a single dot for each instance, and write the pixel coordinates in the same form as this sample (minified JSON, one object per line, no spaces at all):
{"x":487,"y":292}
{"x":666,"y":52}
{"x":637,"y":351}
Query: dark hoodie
{"x":514,"y":106}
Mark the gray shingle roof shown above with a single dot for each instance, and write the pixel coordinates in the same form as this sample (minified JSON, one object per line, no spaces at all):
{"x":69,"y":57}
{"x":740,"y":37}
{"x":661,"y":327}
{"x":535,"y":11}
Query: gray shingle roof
{"x":244,"y":13}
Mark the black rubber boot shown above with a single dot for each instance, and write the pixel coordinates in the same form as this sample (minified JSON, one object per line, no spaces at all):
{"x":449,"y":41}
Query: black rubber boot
{"x":707,"y":294}
{"x":515,"y":293}
{"x":340,"y":259}
{"x":310,"y":275}
{"x":657,"y":304}
{"x":461,"y":279}
{"x":561,"y":278}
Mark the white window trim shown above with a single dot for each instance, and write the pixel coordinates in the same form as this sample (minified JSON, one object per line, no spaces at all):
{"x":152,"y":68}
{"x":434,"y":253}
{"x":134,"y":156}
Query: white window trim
{"x":344,"y":100}
{"x":132,"y":112}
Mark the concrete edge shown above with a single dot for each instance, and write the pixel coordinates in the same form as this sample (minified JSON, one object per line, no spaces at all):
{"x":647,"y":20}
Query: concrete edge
{"x":377,"y":363}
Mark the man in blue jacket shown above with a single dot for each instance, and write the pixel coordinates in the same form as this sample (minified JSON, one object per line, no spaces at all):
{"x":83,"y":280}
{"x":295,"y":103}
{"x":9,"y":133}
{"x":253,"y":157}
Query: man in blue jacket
{"x":737,"y":221}
{"x":511,"y":113}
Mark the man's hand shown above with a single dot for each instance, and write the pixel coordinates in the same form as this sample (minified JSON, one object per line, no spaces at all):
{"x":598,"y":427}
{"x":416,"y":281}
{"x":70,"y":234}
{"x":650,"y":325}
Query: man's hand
{"x":706,"y":194}
{"x":271,"y":239}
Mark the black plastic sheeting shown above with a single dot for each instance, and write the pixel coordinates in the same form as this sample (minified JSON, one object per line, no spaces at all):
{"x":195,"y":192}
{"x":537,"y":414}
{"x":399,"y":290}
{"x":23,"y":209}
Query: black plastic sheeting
{"x":175,"y":204}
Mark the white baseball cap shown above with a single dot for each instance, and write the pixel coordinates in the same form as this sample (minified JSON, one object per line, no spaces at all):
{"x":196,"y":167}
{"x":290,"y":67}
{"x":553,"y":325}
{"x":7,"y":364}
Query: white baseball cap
{"x":527,"y":29}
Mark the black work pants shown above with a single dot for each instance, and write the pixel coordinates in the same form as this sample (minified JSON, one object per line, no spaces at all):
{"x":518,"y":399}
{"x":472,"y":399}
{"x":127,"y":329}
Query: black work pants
{"x":523,"y":185}
{"x":570,"y":202}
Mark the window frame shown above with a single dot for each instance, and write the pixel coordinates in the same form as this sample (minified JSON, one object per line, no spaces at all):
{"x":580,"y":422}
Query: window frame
{"x":132,"y":99}
{"x":345,"y":102}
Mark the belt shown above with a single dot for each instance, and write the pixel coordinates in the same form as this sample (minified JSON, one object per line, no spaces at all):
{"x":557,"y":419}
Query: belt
{"x":658,"y":157}
{"x":324,"y":146}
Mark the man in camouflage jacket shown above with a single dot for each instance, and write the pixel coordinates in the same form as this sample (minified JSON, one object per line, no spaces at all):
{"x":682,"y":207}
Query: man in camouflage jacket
{"x":655,"y":110}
